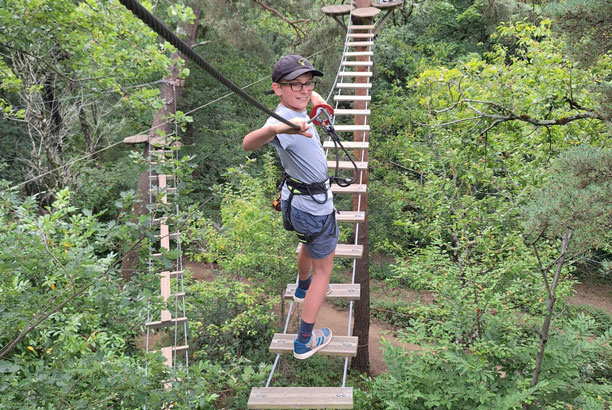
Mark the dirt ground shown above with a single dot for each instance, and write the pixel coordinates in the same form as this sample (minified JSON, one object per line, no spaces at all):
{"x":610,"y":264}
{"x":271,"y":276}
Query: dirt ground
{"x":599,"y":296}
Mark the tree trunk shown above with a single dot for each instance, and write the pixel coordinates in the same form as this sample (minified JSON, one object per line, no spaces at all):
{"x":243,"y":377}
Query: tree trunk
{"x":550,"y":304}
{"x":170,"y":93}
{"x":361,"y":328}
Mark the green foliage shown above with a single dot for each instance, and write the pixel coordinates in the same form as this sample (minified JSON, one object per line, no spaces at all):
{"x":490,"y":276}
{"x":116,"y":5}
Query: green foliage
{"x":251,"y":241}
{"x":229,"y":319}
{"x":492,"y":373}
{"x":578,"y":198}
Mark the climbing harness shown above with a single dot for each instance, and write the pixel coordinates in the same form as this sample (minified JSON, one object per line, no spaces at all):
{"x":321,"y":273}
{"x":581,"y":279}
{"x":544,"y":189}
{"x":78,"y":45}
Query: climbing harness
{"x":321,"y":115}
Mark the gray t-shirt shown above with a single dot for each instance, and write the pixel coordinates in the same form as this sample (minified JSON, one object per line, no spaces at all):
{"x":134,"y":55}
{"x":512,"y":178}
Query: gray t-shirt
{"x":303,"y":158}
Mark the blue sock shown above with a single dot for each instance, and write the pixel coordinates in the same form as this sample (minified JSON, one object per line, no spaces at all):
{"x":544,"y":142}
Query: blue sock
{"x":304,"y":284}
{"x":305,"y":331}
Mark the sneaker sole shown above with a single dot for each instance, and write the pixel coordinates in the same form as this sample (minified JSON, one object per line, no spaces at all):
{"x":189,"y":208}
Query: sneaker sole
{"x":302,"y":356}
{"x":301,"y":300}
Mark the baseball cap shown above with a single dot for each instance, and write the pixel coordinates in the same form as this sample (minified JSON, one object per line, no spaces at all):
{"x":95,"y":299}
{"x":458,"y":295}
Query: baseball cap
{"x":291,"y":67}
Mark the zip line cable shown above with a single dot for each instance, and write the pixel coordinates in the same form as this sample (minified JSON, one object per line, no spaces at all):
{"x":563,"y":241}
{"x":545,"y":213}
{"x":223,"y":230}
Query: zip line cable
{"x":161,"y":29}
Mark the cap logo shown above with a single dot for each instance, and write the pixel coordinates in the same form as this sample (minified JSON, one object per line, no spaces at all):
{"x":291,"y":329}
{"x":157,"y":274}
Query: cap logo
{"x":302,"y":61}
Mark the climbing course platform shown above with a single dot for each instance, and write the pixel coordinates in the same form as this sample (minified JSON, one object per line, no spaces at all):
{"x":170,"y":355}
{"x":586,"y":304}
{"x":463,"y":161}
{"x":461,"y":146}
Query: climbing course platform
{"x":352,"y":99}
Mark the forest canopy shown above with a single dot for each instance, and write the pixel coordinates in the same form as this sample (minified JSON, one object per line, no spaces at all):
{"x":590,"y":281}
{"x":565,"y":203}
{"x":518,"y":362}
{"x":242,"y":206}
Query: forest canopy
{"x":490,"y":203}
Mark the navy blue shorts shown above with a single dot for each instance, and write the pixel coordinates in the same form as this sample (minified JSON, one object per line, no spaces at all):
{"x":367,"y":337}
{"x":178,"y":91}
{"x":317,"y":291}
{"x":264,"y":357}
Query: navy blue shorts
{"x":309,"y":224}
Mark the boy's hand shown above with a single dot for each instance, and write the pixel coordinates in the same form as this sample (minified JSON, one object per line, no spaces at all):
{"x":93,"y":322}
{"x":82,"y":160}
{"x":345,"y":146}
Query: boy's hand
{"x":304,"y":129}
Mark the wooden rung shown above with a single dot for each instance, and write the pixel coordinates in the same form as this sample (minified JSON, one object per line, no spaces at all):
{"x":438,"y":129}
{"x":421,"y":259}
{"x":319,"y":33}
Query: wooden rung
{"x":354,"y":85}
{"x":347,"y":165}
{"x":355,"y":74}
{"x":161,"y":181}
{"x":163,"y":236}
{"x":301,"y":398}
{"x":168,"y":353}
{"x":352,"y":97}
{"x":350,"y":216}
{"x":348,"y":144}
{"x":351,"y":189}
{"x":358,"y":54}
{"x":350,"y":111}
{"x":176,"y":273}
{"x":352,"y":128}
{"x":361,"y":35}
{"x":166,"y":316}
{"x":344,"y":250}
{"x":359,"y":43}
{"x":339,"y":345}
{"x":165,"y":285}
{"x":158,"y":255}
{"x":158,"y":221}
{"x":357,"y":63}
{"x":157,"y":176}
{"x":346,"y":291}
{"x":166,"y":323}
{"x":361,"y":27}
{"x":170,"y":236}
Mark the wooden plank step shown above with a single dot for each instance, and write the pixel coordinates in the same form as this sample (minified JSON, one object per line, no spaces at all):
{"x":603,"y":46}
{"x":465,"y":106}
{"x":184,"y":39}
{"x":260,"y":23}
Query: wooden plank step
{"x":344,"y":250}
{"x":351,"y":128}
{"x":160,"y":190}
{"x":173,"y":235}
{"x":358,"y":54}
{"x":350,"y":216}
{"x":176,"y":273}
{"x":301,"y":398}
{"x":346,"y":291}
{"x":339,"y":345}
{"x":361,"y":27}
{"x":164,"y":239}
{"x":165,"y":285}
{"x":361,"y":35}
{"x":359,"y":43}
{"x":348,"y":144}
{"x":351,"y":189}
{"x":352,"y":97}
{"x":361,"y":165}
{"x":168,"y":352}
{"x":355,"y":74}
{"x":354,"y":85}
{"x":357,"y":63}
{"x":162,"y":176}
{"x":351,"y":111}
{"x":166,"y":323}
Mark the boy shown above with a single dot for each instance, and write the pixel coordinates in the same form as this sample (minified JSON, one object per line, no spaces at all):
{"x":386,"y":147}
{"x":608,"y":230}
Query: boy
{"x":306,"y":198}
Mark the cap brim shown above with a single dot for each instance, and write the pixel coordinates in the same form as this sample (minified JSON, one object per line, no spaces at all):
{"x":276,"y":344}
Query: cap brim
{"x":297,"y":73}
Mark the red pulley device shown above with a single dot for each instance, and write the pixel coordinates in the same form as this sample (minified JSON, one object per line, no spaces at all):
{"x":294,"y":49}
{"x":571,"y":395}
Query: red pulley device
{"x":321,"y":114}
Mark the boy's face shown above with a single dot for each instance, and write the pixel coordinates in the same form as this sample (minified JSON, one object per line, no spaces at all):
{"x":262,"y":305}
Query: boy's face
{"x":295,"y":100}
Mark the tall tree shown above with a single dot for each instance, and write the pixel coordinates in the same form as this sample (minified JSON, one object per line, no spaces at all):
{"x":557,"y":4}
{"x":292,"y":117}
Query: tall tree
{"x":69,"y":77}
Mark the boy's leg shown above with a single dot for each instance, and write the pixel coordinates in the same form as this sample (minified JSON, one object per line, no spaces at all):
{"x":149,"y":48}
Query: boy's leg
{"x":304,"y":263}
{"x":318,"y":287}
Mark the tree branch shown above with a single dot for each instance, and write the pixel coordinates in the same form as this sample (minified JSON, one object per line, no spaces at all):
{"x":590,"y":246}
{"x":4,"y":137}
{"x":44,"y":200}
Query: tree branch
{"x":292,"y":23}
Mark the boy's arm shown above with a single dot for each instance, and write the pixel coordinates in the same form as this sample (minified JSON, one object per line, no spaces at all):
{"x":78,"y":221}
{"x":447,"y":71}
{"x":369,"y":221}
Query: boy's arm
{"x":258,"y":138}
{"x":316,"y":99}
